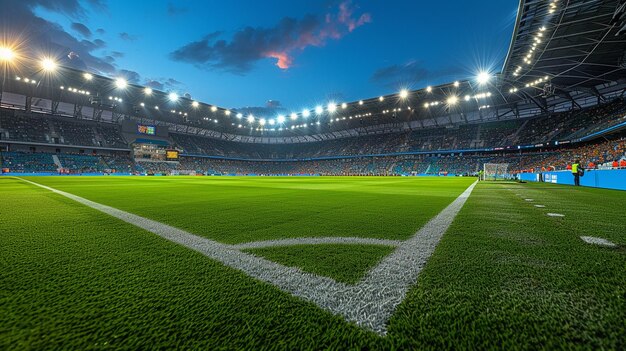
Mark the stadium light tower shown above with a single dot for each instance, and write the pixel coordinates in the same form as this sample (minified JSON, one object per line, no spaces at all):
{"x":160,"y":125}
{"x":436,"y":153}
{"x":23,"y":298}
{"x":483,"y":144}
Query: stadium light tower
{"x":404,"y":93}
{"x":48,"y":64}
{"x":121,"y":83}
{"x":280,"y":119}
{"x":305,"y":114}
{"x":452,"y":100}
{"x":173,"y":97}
{"x":332,"y":107}
{"x":87,"y":76}
{"x":147,"y":91}
{"x":319,"y":110}
{"x":6,"y":54}
{"x":483,"y":77}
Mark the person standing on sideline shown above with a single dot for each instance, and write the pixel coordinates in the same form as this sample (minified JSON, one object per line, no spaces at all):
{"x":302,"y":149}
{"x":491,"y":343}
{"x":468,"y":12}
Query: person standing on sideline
{"x":576,"y":170}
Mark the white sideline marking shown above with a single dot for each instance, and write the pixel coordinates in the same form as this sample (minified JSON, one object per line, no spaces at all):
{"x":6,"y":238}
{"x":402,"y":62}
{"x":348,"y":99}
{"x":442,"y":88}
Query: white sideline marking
{"x":556,"y":215}
{"x":369,"y":304}
{"x":316,"y":241}
{"x":597,"y":241}
{"x":529,"y":200}
{"x":540,"y":206}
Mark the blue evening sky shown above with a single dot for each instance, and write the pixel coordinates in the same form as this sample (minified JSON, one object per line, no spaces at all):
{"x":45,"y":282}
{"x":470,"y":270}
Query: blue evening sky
{"x":377,"y":47}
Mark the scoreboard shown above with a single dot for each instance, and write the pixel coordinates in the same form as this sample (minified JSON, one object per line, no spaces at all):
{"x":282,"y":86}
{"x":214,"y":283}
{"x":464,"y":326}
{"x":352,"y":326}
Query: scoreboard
{"x":146,"y":129}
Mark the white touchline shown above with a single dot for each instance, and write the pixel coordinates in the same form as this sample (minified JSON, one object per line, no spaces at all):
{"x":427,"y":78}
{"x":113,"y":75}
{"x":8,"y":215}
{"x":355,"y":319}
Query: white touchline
{"x":369,"y":304}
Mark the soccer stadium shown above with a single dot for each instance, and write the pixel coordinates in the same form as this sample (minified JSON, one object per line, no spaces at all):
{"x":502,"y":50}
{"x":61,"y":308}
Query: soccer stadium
{"x":476,"y":210}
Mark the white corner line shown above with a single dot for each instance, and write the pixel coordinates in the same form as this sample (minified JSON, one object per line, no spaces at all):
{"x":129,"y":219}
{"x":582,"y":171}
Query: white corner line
{"x":370,"y":303}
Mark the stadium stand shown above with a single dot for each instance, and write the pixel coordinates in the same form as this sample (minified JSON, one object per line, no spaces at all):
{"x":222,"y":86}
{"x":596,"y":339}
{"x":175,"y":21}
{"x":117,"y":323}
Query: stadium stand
{"x":458,"y":150}
{"x":28,"y":162}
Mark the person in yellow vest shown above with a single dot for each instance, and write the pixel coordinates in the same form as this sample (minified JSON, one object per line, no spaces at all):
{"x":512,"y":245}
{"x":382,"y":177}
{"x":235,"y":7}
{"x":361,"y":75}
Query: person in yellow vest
{"x":577,"y":169}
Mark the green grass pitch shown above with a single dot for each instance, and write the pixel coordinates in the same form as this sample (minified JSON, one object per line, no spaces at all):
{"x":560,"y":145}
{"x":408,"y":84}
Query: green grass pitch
{"x":505,"y":275}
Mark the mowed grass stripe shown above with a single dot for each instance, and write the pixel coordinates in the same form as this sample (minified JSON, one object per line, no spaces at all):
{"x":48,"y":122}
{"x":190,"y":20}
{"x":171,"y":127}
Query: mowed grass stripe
{"x":504,"y":276}
{"x":343,"y":262}
{"x":74,"y":278}
{"x":243,"y":209}
{"x":507,"y":276}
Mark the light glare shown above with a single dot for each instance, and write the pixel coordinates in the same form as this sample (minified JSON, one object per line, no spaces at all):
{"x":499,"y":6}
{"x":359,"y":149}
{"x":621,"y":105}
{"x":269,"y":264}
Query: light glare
{"x":48,"y":64}
{"x":121,"y":83}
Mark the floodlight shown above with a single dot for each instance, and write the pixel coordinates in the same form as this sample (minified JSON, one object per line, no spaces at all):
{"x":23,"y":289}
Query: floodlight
{"x":142,"y":104}
{"x":156,"y":107}
{"x":404,"y":93}
{"x":262,"y":121}
{"x":250,"y":119}
{"x":280,"y":119}
{"x":305,"y":114}
{"x":147,"y":91}
{"x":456,"y":84}
{"x":6,"y":54}
{"x":452,"y":100}
{"x":360,"y":102}
{"x":213,"y":108}
{"x":332,"y":107}
{"x":483,"y":77}
{"x":240,"y":115}
{"x":227,"y":112}
{"x":195,"y":104}
{"x":429,"y":89}
{"x":173,"y":97}
{"x":381,"y":99}
{"x":319,"y":110}
{"x":467,"y":98}
{"x":48,"y":64}
{"x":344,"y":106}
{"x":87,"y":76}
{"x":121,"y":83}
{"x":271,"y":122}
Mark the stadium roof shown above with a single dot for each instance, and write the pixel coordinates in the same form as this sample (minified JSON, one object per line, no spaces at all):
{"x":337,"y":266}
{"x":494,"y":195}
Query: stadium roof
{"x":563,"y":55}
{"x":571,"y":45}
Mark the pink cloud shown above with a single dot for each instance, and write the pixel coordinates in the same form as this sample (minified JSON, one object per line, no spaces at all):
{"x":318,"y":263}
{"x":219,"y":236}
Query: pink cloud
{"x":335,"y":26}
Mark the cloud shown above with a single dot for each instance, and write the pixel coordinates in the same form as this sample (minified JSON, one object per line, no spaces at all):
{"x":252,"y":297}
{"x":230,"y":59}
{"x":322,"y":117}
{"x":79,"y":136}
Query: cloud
{"x":154,"y":84}
{"x":33,"y":34}
{"x":130,"y":76}
{"x":100,"y":31}
{"x":172,"y":10}
{"x":117,"y":54}
{"x":409,"y":74}
{"x":164,"y":84}
{"x":81,"y":29}
{"x":127,"y":37}
{"x":401,"y":73}
{"x":271,"y":108}
{"x":281,"y":42}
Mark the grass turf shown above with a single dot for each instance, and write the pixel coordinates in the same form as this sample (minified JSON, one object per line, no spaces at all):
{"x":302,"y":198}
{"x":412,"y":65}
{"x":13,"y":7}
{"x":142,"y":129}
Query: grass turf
{"x":242,"y":209}
{"x":344,"y":263}
{"x":504,"y":276}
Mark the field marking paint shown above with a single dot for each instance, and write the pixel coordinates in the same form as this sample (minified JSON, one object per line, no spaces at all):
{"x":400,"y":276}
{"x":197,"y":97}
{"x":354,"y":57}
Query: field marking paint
{"x":540,"y":206}
{"x":597,"y":241}
{"x":556,"y":215}
{"x":370,"y":303}
{"x":315,"y":241}
{"x":529,"y":200}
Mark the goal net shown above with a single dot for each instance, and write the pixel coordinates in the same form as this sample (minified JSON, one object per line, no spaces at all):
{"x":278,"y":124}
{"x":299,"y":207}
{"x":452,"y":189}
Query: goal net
{"x":496,"y":171}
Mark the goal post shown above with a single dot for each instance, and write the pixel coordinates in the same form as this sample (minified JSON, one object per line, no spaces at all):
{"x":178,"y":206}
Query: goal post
{"x":496,"y":171}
